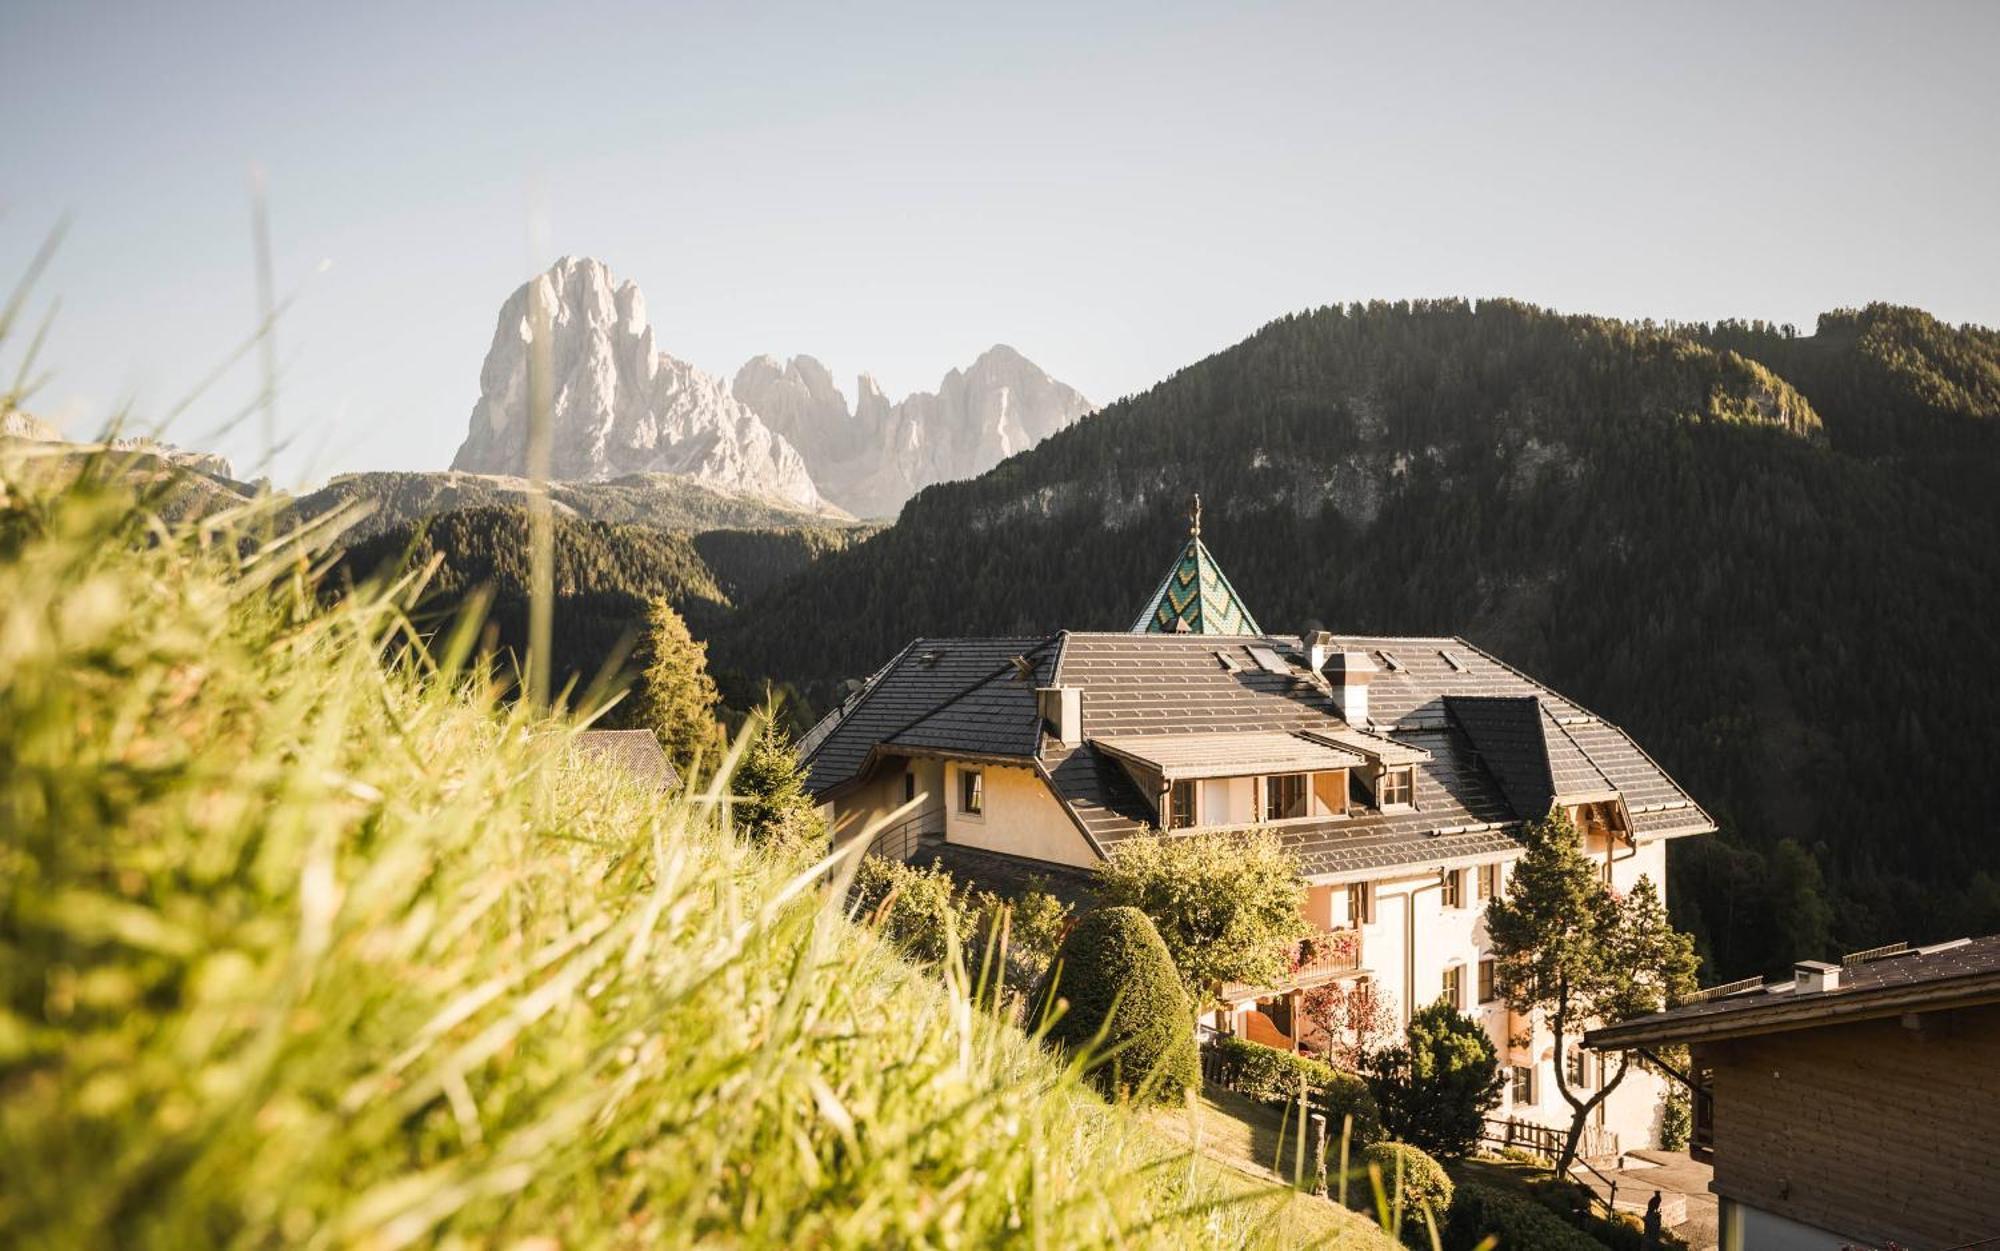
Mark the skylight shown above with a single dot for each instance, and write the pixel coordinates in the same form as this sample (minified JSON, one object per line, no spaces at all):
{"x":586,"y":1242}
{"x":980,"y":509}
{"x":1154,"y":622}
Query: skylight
{"x":1269,"y":661}
{"x":1390,"y":662}
{"x":1451,"y":658}
{"x":1229,"y":662}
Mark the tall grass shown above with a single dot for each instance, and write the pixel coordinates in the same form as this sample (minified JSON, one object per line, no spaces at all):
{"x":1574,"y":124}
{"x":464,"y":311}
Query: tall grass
{"x":302,"y":946}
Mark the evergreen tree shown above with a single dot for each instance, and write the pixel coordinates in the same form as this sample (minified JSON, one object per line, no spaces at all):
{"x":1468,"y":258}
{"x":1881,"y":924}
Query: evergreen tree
{"x":1435,"y":1087}
{"x":1567,"y":948}
{"x":772,"y":806}
{"x":677,"y":698}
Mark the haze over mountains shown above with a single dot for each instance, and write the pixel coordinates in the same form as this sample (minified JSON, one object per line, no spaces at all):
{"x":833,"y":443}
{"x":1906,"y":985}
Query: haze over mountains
{"x":872,"y":459}
{"x":783,"y":431}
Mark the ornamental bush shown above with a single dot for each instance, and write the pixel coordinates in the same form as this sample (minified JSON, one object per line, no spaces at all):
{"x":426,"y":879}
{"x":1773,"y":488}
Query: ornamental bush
{"x":1478,"y":1211}
{"x":1348,"y":1095}
{"x":1124,"y":1004}
{"x":919,"y":910}
{"x":1424,"y":1183}
{"x":1434,"y":1087}
{"x":1676,"y":1122}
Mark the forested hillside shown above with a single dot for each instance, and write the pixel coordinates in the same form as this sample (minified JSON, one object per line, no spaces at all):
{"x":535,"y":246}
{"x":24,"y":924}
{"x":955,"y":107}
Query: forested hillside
{"x":1768,"y":556}
{"x":662,"y":501}
{"x":605,"y":576}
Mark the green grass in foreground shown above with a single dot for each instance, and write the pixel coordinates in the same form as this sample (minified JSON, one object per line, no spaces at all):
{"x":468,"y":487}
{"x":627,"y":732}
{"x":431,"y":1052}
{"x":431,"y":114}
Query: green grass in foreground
{"x":299,"y":947}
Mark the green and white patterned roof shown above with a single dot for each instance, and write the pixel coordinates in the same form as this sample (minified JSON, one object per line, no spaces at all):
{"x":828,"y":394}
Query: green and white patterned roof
{"x":1195,"y":597}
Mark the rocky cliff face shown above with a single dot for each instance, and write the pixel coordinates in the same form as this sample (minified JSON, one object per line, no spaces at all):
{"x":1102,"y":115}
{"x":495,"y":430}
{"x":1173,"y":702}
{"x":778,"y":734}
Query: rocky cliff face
{"x":618,"y":405}
{"x":873,"y":458}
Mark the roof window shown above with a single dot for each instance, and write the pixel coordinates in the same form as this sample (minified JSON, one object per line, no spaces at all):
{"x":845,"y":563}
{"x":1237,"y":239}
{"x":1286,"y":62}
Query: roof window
{"x":1390,"y":662}
{"x":1269,"y":661}
{"x":1451,"y":658}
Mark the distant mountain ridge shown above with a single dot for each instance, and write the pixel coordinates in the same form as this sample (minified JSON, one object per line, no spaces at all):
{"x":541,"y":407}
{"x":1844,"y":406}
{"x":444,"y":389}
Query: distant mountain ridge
{"x":873,"y":458}
{"x":618,"y":406}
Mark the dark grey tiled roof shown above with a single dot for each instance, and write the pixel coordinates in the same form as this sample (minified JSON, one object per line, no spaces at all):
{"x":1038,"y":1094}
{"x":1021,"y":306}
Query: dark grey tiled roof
{"x":1939,"y":971}
{"x":1135,"y":686}
{"x":1009,"y":877}
{"x":636,"y":751}
{"x":910,"y":695}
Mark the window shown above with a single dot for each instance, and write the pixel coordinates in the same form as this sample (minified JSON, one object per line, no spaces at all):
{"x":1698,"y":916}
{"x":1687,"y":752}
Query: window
{"x":1360,"y":903}
{"x":1285,"y":796}
{"x":1180,"y":806}
{"x":1489,"y":880}
{"x":1523,"y":1084}
{"x":1454,"y":987}
{"x":1397,"y":787}
{"x":909,"y":787}
{"x":1487,"y":991}
{"x":1454,"y":888}
{"x":971,"y":791}
{"x":1577,"y":1071}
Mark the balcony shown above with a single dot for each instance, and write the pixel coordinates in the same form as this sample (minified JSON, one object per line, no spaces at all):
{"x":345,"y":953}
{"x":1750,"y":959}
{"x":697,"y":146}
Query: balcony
{"x":1326,"y":955}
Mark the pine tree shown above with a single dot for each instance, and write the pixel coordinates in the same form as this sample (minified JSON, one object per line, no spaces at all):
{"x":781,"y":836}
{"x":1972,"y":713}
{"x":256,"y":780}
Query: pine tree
{"x":677,"y":698}
{"x":772,"y":806}
{"x":1564,"y":946}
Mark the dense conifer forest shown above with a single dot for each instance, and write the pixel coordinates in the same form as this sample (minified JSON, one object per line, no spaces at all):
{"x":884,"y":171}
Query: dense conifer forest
{"x":1772,"y":557}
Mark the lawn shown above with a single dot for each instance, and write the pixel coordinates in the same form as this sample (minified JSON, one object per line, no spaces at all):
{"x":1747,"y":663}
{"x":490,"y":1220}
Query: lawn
{"x":1255,"y":1143}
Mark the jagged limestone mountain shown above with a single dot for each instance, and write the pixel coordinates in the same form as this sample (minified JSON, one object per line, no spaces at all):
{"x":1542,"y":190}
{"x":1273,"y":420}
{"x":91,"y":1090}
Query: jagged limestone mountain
{"x":619,"y":406}
{"x":872,"y":458}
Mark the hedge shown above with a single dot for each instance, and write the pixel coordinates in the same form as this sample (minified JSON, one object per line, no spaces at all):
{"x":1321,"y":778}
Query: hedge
{"x":1272,"y":1076}
{"x":1520,"y":1223}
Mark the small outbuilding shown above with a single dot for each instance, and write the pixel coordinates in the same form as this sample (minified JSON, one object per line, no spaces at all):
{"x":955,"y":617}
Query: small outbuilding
{"x":1853,"y":1105}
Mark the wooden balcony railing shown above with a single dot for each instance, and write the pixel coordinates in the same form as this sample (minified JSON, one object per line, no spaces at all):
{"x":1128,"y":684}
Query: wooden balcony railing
{"x":1325,"y":955}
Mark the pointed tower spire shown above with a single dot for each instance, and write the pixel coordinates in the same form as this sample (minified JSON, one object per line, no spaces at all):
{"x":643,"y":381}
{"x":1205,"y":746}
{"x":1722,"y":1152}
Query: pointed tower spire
{"x":1195,"y":597}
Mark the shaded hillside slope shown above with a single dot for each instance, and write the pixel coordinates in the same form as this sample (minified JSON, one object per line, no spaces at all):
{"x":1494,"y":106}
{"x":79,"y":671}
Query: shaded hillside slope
{"x":1660,"y":528}
{"x":606,"y":575}
{"x":662,"y":501}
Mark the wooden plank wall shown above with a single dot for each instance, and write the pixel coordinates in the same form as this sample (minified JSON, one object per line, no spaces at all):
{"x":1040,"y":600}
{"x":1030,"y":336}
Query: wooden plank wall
{"x":1874,"y":1130}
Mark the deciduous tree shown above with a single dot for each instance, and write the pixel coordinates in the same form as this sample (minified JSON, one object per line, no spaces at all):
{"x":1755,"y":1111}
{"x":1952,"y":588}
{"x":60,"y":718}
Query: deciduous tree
{"x":1227,"y":905}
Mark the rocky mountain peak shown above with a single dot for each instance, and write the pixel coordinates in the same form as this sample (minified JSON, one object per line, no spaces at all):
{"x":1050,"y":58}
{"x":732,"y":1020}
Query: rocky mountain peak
{"x":618,"y":406}
{"x":873,"y":457}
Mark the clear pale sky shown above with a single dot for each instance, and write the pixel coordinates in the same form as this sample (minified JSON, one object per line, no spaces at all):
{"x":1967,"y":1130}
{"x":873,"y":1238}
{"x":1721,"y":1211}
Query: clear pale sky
{"x":1116,"y":192}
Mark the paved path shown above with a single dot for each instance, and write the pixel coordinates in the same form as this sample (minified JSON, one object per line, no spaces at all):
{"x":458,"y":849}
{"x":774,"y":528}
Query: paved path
{"x":1686,"y":1201}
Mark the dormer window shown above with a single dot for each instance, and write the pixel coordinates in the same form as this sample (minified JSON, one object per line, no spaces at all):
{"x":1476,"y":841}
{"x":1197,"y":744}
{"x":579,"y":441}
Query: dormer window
{"x":1398,"y":788}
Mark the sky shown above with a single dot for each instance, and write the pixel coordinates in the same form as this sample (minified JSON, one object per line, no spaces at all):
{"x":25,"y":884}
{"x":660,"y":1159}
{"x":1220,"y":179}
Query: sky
{"x":1117,"y":191}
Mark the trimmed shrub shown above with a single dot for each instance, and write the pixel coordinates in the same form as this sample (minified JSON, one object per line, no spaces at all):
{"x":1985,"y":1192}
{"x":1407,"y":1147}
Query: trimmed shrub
{"x":1348,"y":1095}
{"x":1425,"y":1184}
{"x":1116,"y":978}
{"x":1519,"y":1223}
{"x":1434,"y":1087}
{"x":1266,"y":1073}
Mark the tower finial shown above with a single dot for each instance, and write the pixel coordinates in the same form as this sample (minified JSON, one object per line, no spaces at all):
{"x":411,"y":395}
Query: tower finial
{"x":1194,"y":518}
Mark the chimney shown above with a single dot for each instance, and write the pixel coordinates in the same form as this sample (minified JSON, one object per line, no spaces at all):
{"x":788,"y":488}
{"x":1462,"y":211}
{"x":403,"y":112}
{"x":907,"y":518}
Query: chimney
{"x":1349,"y":674}
{"x":1318,"y":646}
{"x":1062,"y":712}
{"x":1810,"y":977}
